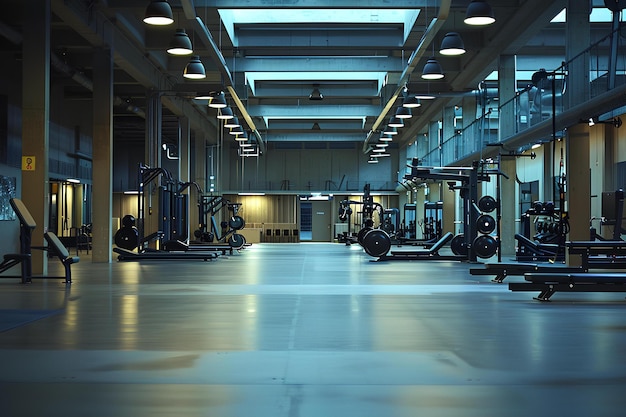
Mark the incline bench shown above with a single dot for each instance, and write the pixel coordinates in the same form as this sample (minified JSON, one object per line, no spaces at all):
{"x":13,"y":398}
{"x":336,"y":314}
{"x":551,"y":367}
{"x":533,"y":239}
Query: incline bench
{"x":594,"y":255}
{"x":27,"y":225}
{"x":57,"y":248}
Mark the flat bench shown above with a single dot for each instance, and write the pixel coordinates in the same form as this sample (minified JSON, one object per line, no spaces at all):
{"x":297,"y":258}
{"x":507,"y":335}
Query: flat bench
{"x":425,"y":254}
{"x":594,"y":255}
{"x":549,"y":283}
{"x":127,"y":255}
{"x":502,"y":270}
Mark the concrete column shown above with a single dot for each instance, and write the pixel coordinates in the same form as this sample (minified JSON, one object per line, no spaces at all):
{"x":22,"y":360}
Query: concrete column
{"x":102,"y":155}
{"x":578,"y":197}
{"x":578,"y":38}
{"x":507,"y":87}
{"x":35,"y":120}
{"x":450,"y":203}
{"x":184,"y":143}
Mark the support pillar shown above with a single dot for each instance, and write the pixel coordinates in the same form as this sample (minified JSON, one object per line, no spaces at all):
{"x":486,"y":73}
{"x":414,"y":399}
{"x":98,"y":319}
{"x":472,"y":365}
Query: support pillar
{"x":102,"y":155}
{"x":184,"y":143}
{"x":507,"y":87}
{"x":578,"y":197}
{"x":35,"y":120}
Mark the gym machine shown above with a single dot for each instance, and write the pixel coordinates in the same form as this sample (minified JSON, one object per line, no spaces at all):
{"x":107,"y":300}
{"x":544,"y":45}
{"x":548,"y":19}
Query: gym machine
{"x":476,"y":239}
{"x":131,"y":241}
{"x":208,"y":231}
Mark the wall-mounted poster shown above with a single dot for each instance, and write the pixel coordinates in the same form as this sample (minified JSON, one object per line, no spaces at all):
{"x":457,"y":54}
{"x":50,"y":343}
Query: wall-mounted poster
{"x":7,"y":192}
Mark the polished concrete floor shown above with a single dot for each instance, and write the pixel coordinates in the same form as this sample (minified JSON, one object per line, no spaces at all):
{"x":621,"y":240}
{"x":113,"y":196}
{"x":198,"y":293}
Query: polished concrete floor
{"x":304,"y":330}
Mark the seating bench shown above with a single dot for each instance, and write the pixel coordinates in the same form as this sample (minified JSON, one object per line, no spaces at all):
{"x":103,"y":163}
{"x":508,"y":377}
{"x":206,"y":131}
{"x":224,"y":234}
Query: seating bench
{"x":502,"y":270}
{"x":60,"y":251}
{"x":430,"y":253}
{"x":549,"y":283}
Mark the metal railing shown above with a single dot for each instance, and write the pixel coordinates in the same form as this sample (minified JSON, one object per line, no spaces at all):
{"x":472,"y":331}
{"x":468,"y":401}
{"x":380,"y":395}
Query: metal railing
{"x":541,"y":100}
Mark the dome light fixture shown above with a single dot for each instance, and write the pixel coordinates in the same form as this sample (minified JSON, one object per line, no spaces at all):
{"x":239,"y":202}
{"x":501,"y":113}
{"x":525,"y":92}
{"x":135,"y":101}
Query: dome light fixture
{"x":479,"y":13}
{"x":452,"y":44}
{"x":396,"y":122}
{"x":159,"y":13}
{"x":194,"y":69}
{"x":432,"y":70}
{"x":225,"y":114}
{"x":181,"y":44}
{"x":232,"y":123}
{"x":218,"y":101}
{"x":404,"y":112}
{"x":390,"y":130}
{"x":411,"y":102}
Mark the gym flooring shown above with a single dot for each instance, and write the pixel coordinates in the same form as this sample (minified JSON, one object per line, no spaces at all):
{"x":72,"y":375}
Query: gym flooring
{"x":304,"y":330}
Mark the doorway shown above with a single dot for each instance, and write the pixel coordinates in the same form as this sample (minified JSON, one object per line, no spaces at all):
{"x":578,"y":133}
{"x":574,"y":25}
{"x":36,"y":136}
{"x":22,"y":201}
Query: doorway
{"x":315,"y":221}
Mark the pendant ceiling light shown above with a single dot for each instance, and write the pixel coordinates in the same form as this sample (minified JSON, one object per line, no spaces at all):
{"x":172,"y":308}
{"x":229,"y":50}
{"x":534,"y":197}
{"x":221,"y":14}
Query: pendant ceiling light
{"x":404,"y":112}
{"x":218,"y":101}
{"x":159,"y":13}
{"x":411,"y":102}
{"x":479,"y":13}
{"x":316,"y":95}
{"x":385,"y":137}
{"x":181,"y":44}
{"x":396,"y":122}
{"x":236,"y":131}
{"x":194,"y":69}
{"x":390,"y":130}
{"x":432,"y":70}
{"x":452,"y":44}
{"x":232,"y":123}
{"x":225,"y":113}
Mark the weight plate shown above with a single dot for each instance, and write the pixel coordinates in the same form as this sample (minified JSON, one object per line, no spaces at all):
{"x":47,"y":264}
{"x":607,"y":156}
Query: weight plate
{"x":485,"y":224}
{"x":377,"y":243}
{"x":236,"y":222}
{"x":362,"y":234}
{"x":236,"y":241}
{"x":458,"y":245}
{"x":485,"y":246}
{"x":127,"y":238}
{"x":487,"y":204}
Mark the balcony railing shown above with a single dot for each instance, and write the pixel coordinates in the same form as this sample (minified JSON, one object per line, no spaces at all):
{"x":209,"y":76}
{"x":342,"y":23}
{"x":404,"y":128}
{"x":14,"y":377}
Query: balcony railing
{"x":547,"y":96}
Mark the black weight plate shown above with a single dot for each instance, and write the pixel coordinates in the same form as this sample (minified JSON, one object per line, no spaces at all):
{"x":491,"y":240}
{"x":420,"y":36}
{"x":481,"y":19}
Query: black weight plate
{"x":236,"y":241}
{"x":377,"y":243}
{"x":127,"y":238}
{"x":458,"y":245}
{"x":362,"y":234}
{"x":485,"y":246}
{"x":236,"y":222}
{"x":485,"y":224}
{"x":487,"y":204}
{"x":128,"y":220}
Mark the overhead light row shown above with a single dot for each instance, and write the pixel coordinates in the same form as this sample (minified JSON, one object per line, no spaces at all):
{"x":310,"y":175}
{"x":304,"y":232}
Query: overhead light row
{"x":159,"y":13}
{"x":478,"y":13}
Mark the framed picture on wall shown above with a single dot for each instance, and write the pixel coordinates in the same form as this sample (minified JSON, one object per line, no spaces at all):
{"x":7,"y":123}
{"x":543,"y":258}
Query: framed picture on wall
{"x":7,"y":192}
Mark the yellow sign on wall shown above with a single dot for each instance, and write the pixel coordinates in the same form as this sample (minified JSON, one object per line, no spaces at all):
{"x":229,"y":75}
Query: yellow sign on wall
{"x":28,"y":163}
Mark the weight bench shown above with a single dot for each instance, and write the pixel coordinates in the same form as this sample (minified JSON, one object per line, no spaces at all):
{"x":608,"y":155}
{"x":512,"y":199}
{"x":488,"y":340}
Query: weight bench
{"x":502,"y":270}
{"x":609,"y":254}
{"x":127,"y":255}
{"x":57,"y":248}
{"x":24,"y":258}
{"x":549,"y":283}
{"x":431,"y":253}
